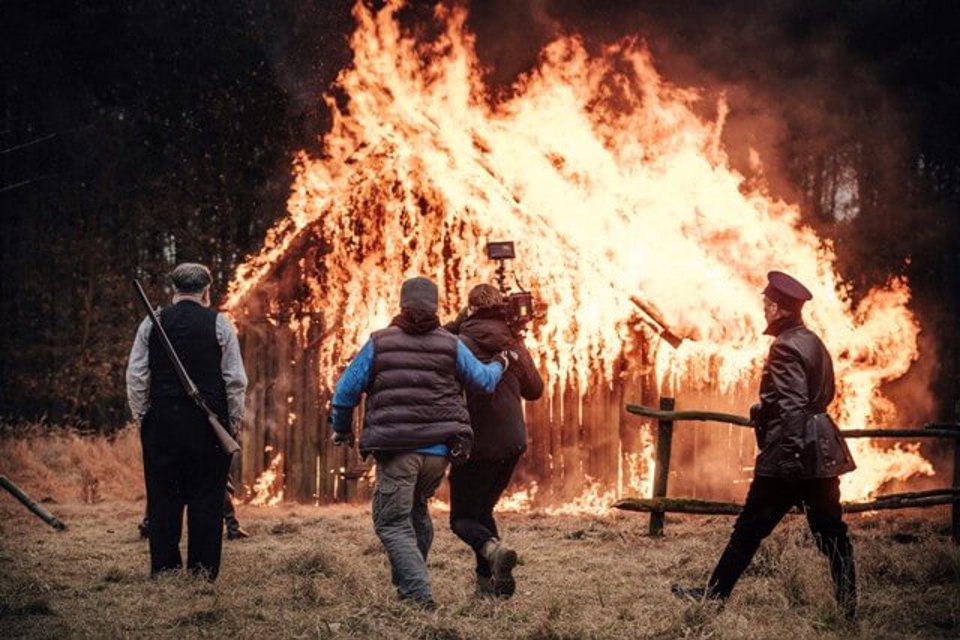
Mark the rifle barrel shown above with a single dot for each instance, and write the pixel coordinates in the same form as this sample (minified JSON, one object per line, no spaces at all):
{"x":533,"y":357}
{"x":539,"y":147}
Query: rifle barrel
{"x":223,"y":436}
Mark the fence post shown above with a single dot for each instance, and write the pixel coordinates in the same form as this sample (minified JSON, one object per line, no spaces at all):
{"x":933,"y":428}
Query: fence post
{"x":662,"y":469}
{"x":956,"y":478}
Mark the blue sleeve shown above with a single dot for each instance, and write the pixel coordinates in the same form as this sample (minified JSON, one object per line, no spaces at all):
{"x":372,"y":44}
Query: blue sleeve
{"x":473,"y":373}
{"x":350,"y":387}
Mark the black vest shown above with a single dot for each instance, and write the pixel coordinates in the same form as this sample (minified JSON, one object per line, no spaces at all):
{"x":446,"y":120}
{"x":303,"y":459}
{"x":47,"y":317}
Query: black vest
{"x":414,"y":399}
{"x":192,"y":329}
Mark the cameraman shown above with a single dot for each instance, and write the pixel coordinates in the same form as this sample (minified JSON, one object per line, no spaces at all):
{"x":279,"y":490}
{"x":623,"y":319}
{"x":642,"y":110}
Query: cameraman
{"x":499,"y":438}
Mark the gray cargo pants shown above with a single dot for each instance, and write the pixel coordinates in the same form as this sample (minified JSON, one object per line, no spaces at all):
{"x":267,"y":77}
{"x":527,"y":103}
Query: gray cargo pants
{"x":405,"y":481}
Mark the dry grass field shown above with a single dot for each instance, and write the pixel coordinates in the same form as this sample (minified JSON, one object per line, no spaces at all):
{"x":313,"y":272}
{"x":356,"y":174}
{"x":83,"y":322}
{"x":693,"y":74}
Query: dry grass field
{"x":320,"y":572}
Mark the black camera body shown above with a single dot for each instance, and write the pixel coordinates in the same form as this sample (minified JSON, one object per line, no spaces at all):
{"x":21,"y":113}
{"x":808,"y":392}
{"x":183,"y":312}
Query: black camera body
{"x":518,"y":306}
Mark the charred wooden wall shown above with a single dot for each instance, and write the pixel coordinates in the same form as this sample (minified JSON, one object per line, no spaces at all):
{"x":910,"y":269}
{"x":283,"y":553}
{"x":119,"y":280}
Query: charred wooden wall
{"x":570,"y":438}
{"x":286,"y":409}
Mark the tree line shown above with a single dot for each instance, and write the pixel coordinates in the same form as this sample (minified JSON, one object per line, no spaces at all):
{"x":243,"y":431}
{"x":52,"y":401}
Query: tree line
{"x":140,"y":134}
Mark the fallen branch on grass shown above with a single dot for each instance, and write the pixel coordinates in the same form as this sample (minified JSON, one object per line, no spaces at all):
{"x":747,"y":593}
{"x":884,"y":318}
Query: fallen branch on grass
{"x":38,"y":510}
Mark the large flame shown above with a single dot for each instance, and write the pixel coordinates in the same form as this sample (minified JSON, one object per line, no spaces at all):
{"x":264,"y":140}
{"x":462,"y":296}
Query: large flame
{"x":612,"y":186}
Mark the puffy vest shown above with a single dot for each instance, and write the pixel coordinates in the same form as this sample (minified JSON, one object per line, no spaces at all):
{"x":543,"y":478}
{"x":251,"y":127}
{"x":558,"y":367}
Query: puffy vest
{"x":414,"y":399}
{"x":192,"y":329}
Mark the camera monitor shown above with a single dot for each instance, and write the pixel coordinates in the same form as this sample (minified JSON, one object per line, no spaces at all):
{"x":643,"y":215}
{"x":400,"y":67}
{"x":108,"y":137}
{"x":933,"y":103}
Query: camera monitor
{"x":500,"y":250}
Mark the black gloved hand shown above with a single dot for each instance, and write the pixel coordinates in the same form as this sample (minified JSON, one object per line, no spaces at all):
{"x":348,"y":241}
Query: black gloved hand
{"x":342,"y":438}
{"x":755,"y":413}
{"x":459,"y":449}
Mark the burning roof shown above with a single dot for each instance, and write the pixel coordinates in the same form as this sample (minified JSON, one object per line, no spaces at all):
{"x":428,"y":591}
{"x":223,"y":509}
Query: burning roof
{"x":612,"y":187}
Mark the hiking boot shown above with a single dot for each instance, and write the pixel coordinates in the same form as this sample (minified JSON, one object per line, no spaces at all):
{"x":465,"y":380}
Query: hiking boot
{"x":485,"y":586}
{"x":237,"y":534}
{"x":502,"y":560}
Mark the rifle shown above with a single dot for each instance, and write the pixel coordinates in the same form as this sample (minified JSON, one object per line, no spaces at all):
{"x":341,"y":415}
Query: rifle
{"x":229,"y":445}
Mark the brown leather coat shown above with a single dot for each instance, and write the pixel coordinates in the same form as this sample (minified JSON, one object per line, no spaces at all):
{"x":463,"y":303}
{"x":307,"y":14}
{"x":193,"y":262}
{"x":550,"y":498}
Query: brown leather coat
{"x":796,"y":437}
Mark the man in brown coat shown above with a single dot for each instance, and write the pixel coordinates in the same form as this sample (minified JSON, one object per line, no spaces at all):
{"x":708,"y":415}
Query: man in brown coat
{"x":802,"y":453}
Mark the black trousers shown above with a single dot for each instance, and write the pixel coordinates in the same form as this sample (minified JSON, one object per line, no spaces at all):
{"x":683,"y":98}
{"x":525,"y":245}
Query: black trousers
{"x":768,"y":500}
{"x":184,"y":469}
{"x":475,"y":488}
{"x":229,"y":511}
{"x":229,"y":514}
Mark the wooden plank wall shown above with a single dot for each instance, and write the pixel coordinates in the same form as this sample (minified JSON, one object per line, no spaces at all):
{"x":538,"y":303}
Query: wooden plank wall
{"x":287,"y":411}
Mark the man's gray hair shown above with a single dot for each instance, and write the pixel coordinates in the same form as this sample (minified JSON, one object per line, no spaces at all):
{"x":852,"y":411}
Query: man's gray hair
{"x":190,"y":277}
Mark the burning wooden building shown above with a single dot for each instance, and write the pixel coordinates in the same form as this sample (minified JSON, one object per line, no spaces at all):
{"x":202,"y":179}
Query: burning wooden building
{"x":615,"y":191}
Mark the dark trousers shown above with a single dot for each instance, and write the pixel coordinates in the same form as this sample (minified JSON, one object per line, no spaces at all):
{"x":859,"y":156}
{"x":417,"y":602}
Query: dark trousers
{"x":184,"y":469}
{"x":768,"y":500}
{"x":475,"y":488}
{"x":229,"y":514}
{"x":229,"y":511}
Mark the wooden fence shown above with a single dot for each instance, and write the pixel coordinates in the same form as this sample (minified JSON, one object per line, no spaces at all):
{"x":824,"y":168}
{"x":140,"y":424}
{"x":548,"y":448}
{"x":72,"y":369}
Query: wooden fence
{"x":659,"y":504}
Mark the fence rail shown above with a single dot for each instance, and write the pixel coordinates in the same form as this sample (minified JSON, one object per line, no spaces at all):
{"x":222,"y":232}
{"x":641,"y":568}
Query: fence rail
{"x":660,"y":504}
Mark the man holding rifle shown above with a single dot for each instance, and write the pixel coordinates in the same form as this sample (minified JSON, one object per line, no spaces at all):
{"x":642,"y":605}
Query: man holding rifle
{"x":185,"y":461}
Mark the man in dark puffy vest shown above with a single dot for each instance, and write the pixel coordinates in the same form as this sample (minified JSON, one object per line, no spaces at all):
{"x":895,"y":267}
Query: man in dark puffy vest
{"x":499,"y":439}
{"x":183,"y":464}
{"x":802,"y":453}
{"x":415,"y":418}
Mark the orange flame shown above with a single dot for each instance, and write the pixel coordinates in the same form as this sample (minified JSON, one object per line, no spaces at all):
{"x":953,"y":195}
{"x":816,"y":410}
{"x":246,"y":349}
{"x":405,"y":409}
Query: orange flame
{"x":268,"y":487}
{"x":612,"y":186}
{"x":519,"y":501}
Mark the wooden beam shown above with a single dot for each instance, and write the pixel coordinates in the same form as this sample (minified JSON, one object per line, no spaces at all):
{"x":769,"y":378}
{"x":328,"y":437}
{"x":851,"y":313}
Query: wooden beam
{"x":682,"y":416}
{"x":661,"y":472}
{"x":900,"y":433}
{"x":916,"y":499}
{"x":933,"y":430}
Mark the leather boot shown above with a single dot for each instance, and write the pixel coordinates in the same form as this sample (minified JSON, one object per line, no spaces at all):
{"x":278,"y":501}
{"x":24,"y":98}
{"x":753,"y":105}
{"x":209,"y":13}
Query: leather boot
{"x":485,"y":586}
{"x":502,"y":560}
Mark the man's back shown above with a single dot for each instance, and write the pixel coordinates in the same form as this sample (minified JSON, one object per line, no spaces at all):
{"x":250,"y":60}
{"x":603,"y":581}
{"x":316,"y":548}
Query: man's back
{"x":192,"y":330}
{"x":497,"y":420}
{"x":414,"y":399}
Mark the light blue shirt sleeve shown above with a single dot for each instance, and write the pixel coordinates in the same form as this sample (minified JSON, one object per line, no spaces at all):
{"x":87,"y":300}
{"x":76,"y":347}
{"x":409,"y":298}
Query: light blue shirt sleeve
{"x":473,"y":373}
{"x":350,"y":388}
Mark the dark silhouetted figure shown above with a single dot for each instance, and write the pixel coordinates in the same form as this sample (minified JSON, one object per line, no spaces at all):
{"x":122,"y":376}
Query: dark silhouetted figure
{"x":499,"y":439}
{"x":802,"y":453}
{"x":184,"y":466}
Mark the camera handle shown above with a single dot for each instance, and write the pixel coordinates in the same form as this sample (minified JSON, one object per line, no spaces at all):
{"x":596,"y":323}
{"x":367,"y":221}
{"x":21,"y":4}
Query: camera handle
{"x":502,"y":276}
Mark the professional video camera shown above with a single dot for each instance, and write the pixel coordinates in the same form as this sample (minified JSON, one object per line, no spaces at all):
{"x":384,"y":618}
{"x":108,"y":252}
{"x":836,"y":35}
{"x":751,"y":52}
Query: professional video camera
{"x":518,"y":306}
